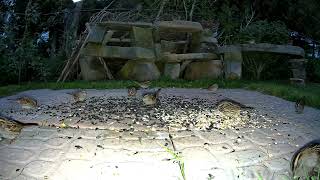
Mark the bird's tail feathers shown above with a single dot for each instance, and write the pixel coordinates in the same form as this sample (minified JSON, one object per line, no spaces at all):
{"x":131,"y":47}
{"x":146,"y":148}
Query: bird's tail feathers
{"x":19,"y":122}
{"x":158,"y":92}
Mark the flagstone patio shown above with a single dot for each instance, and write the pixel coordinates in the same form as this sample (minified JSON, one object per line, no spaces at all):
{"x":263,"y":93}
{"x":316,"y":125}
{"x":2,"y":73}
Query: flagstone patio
{"x":111,"y":136}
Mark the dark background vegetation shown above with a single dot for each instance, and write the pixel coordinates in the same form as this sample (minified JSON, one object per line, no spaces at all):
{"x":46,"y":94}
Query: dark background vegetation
{"x":25,"y":57}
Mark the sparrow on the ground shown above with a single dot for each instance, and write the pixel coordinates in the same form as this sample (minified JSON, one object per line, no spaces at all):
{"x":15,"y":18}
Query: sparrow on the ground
{"x":79,"y":95}
{"x":299,"y":106}
{"x":27,"y":102}
{"x":132,"y":91}
{"x":10,"y":128}
{"x":305,"y":162}
{"x":213,"y":87}
{"x":151,"y":98}
{"x":230,"y":107}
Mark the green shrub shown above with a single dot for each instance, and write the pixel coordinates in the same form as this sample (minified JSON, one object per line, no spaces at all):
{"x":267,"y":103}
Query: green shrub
{"x":265,"y":66}
{"x":54,"y":65}
{"x":313,"y":70}
{"x":264,"y":32}
{"x":22,"y":62}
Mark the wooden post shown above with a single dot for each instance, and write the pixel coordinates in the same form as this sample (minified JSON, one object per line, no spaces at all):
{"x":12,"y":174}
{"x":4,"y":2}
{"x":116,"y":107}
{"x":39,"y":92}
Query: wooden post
{"x":108,"y":72}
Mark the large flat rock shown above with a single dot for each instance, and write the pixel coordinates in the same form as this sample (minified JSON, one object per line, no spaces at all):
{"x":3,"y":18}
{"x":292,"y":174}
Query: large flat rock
{"x":97,"y":50}
{"x":174,"y":58}
{"x":179,"y":26}
{"x":263,"y":47}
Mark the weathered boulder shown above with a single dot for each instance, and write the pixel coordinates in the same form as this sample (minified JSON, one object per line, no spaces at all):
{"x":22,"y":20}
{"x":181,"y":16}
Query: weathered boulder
{"x":170,"y":46}
{"x":203,"y":69}
{"x":172,"y":70}
{"x":233,"y":65}
{"x":299,"y":73}
{"x":143,"y":37}
{"x":195,"y":44}
{"x":91,"y":69}
{"x":297,"y":81}
{"x":97,"y":50}
{"x":139,"y":70}
{"x":157,"y":50}
{"x":298,"y":68}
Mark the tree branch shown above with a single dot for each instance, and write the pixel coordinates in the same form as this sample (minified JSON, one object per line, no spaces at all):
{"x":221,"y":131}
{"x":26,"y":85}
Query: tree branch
{"x":192,"y":9}
{"x":185,"y":9}
{"x":249,"y":19}
{"x":161,"y":9}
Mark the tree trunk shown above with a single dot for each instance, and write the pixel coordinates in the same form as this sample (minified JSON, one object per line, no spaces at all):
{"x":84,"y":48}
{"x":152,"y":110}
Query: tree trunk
{"x":23,"y":41}
{"x":53,"y":44}
{"x":71,"y":28}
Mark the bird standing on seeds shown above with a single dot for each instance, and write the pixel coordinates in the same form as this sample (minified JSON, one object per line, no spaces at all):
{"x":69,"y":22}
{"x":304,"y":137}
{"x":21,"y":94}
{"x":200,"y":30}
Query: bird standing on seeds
{"x":299,"y":106}
{"x":79,"y":95}
{"x":27,"y":102}
{"x":213,"y":87}
{"x":10,"y":128}
{"x":132,"y":91}
{"x":305,"y":162}
{"x":151,"y":98}
{"x":230,"y":107}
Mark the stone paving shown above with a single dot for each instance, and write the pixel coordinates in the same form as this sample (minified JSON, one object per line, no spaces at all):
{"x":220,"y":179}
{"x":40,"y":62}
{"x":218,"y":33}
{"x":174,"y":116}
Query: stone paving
{"x":111,"y":151}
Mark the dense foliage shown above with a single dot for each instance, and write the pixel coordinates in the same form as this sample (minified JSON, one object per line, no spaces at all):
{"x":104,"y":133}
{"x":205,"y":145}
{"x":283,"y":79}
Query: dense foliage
{"x":313,"y":70}
{"x":264,"y":32}
{"x":37,"y":36}
{"x":265,"y":66}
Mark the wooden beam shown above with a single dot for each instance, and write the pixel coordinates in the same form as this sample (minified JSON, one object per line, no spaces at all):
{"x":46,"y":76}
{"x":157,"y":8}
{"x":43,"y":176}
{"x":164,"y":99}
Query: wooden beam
{"x":108,"y":72}
{"x":68,"y":67}
{"x":184,"y":66}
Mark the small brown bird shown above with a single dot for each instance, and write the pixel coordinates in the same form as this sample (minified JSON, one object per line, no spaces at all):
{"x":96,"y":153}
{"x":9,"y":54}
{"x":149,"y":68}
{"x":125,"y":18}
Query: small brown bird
{"x":305,"y":163}
{"x":299,"y":106}
{"x":230,"y":107}
{"x":132,"y":91}
{"x":79,"y":95}
{"x":27,"y":102}
{"x":144,"y":84}
{"x":151,"y":98}
{"x":10,"y":128}
{"x":213,"y":87}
